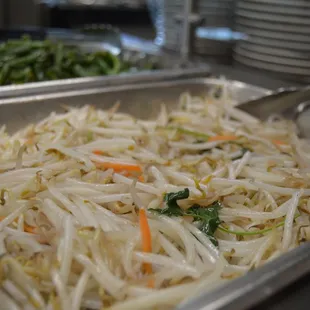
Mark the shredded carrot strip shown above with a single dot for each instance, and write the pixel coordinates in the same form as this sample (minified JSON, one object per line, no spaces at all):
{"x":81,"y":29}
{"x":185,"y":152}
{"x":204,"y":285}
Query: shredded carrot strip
{"x":118,"y":167}
{"x":98,"y":152}
{"x":279,"y":142}
{"x":124,"y":169}
{"x":128,"y":174}
{"x":146,"y":238}
{"x":125,"y":173}
{"x":141,"y":178}
{"x":222,"y":138}
{"x":27,"y":228}
{"x":151,"y":283}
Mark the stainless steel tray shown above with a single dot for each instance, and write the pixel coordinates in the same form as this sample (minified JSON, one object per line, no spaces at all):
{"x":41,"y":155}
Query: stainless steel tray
{"x":102,"y":81}
{"x":133,"y":49}
{"x":139,"y":99}
{"x":143,"y":101}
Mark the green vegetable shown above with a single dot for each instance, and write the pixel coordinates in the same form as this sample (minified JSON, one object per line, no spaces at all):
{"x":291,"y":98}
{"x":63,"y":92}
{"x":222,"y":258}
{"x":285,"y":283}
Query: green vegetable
{"x":24,"y":75}
{"x":38,"y":72}
{"x":171,"y":199}
{"x":20,"y":50}
{"x":84,"y":72}
{"x":59,"y":56}
{"x":208,"y":217}
{"x":196,"y":134}
{"x":103,"y":66}
{"x":252,"y":233}
{"x":26,"y":60}
{"x":4,"y":74}
{"x":116,"y":64}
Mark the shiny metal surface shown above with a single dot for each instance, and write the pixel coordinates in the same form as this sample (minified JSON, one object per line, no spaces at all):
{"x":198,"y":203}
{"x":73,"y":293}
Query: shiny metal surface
{"x":276,"y":102}
{"x":140,"y":99}
{"x":257,"y":285}
{"x":143,"y":100}
{"x":189,"y":21}
{"x":133,"y":4}
{"x":291,"y":103}
{"x":90,"y":82}
{"x":213,"y":13}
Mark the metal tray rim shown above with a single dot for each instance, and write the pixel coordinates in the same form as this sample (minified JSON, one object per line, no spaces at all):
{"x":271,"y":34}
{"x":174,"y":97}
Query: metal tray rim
{"x":255,"y":286}
{"x":123,"y":78}
{"x":110,"y":88}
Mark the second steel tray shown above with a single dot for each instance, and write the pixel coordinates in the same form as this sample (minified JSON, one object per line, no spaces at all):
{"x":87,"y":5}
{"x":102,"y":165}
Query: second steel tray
{"x":139,"y":99}
{"x":137,"y":51}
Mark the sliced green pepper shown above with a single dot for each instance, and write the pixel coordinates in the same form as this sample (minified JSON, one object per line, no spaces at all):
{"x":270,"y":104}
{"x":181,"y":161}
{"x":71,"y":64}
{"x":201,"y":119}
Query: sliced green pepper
{"x":4,"y":74}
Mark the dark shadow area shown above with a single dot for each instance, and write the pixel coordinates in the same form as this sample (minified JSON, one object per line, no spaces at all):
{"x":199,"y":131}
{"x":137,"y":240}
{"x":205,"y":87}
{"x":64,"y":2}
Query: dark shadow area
{"x":75,"y":17}
{"x":295,"y":296}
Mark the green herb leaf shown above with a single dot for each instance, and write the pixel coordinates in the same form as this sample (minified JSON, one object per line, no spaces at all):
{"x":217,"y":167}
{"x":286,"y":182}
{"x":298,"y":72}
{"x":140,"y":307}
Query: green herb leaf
{"x":208,"y":218}
{"x":243,"y":150}
{"x":172,"y":208}
{"x":254,"y":232}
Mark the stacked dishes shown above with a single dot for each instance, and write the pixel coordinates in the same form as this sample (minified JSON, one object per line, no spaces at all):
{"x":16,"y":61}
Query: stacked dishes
{"x":214,"y":13}
{"x":279,"y":36}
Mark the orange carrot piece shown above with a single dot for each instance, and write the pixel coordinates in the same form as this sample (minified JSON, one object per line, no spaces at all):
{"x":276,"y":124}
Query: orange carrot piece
{"x":151,"y":283}
{"x":27,"y":228}
{"x":147,"y":268}
{"x":146,"y":238}
{"x":98,"y":152}
{"x":222,"y":138}
{"x":141,"y":178}
{"x":128,"y":174}
{"x":279,"y":142}
{"x":118,"y":167}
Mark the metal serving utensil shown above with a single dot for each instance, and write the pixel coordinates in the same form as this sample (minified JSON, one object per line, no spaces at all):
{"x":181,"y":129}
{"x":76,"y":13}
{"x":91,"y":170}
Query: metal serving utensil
{"x":291,"y":103}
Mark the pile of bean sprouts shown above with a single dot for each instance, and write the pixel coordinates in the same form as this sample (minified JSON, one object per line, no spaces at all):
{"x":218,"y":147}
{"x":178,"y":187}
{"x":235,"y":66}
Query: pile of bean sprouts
{"x":73,"y":185}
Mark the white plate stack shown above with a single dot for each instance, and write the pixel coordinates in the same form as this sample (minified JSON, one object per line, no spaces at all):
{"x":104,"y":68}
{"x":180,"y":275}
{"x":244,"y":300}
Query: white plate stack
{"x":217,"y":13}
{"x":279,"y":36}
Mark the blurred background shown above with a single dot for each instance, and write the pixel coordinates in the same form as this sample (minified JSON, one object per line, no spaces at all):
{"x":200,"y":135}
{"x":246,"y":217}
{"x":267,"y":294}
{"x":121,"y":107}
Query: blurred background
{"x":268,"y":36}
{"x":74,"y":13}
